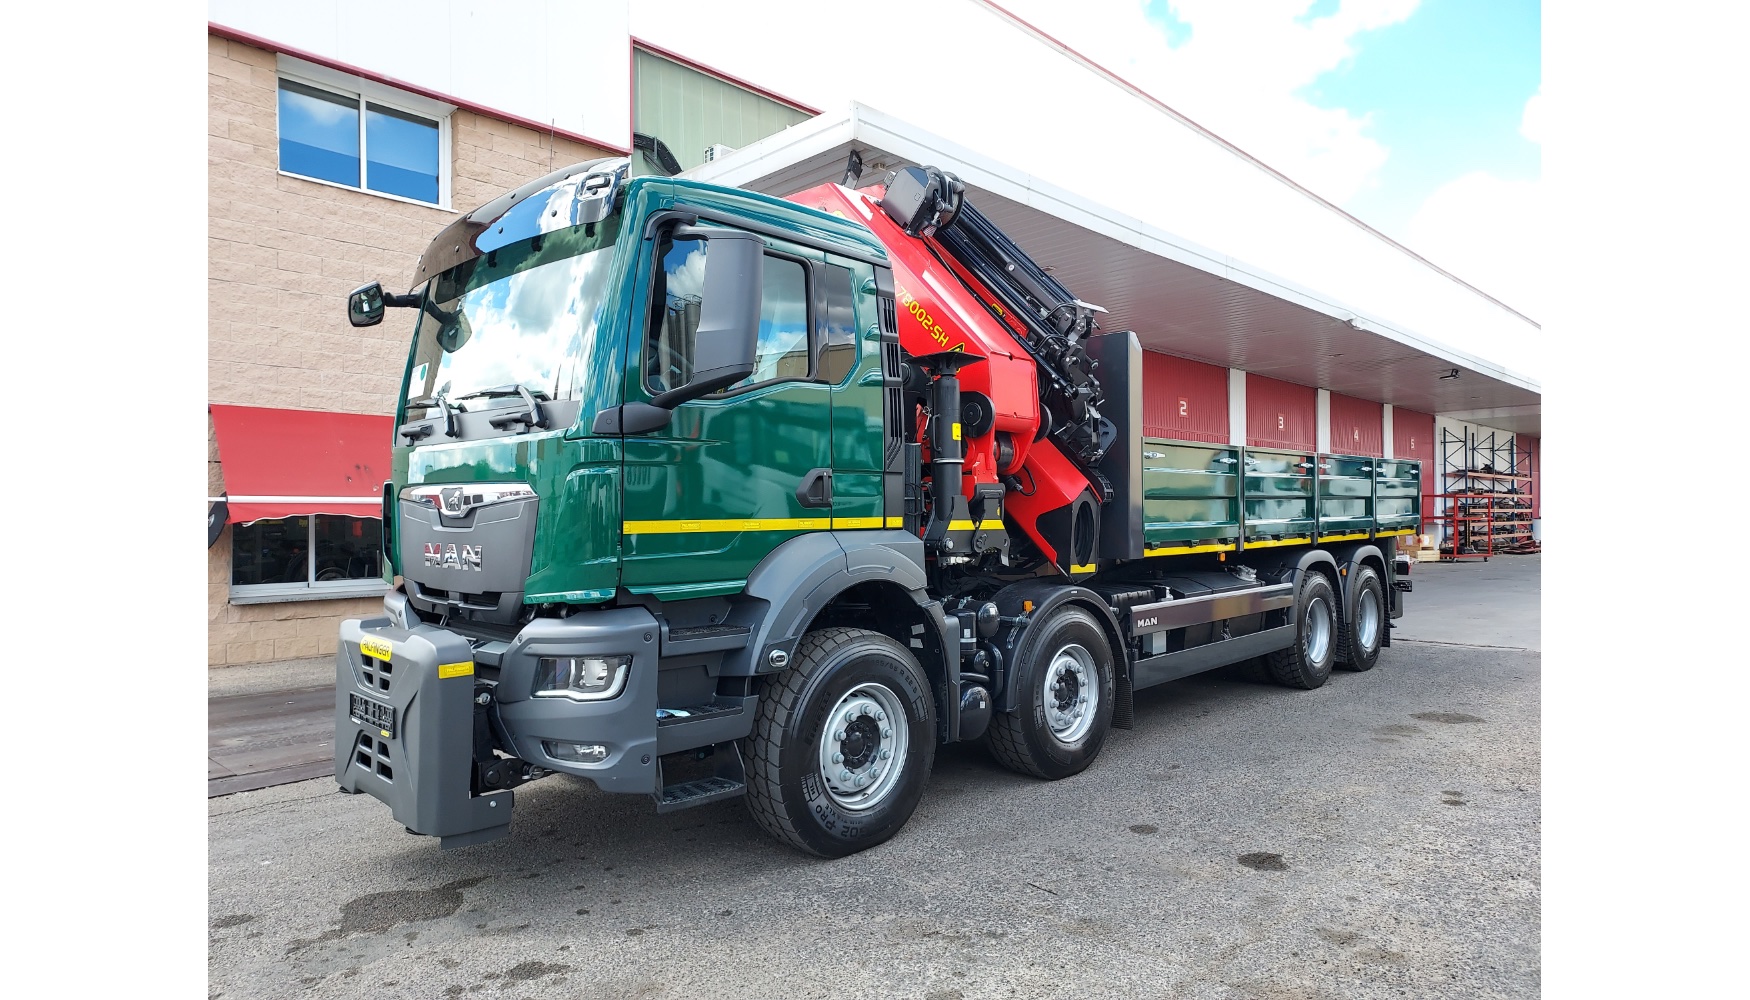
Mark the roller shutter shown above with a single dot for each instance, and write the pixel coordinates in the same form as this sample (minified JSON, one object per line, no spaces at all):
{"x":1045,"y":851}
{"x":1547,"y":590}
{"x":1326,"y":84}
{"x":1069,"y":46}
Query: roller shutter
{"x":1413,"y":438}
{"x":1357,"y":426}
{"x":1280,"y":414}
{"x":1183,"y":400}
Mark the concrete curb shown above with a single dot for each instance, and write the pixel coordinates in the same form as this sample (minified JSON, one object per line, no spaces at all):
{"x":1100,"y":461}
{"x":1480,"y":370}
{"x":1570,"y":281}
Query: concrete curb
{"x":264,"y":678}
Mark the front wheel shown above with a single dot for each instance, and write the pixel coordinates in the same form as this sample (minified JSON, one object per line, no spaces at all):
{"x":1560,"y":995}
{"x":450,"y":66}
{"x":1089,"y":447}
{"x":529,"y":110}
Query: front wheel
{"x":843,"y":744}
{"x":1065,"y":698}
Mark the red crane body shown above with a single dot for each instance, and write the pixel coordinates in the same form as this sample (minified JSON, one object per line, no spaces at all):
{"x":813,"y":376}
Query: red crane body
{"x":941,"y":307}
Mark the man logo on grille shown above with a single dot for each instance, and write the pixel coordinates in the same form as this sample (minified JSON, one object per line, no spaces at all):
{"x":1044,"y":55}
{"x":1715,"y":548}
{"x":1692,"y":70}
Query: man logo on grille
{"x":449,"y":556}
{"x":452,"y":499}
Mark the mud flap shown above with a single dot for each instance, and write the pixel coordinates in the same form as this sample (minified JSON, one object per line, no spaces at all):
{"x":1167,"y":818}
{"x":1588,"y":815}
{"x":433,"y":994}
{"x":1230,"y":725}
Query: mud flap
{"x":404,"y":730}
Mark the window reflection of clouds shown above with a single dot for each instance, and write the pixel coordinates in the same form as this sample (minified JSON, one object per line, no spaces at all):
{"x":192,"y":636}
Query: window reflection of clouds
{"x":783,"y":320}
{"x":525,"y":328}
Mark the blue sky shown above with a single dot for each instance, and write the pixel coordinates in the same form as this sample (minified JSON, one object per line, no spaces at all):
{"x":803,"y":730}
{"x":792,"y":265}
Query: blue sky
{"x":1420,"y":117}
{"x":1444,"y":90}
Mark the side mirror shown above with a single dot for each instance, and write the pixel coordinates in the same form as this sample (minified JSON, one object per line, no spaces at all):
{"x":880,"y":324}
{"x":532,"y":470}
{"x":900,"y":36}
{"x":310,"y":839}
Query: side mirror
{"x":727,"y":339}
{"x":364,"y":307}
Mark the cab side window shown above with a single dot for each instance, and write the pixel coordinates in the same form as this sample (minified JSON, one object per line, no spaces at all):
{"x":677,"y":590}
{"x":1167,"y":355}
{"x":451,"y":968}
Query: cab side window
{"x":784,"y":349}
{"x":674,"y":321}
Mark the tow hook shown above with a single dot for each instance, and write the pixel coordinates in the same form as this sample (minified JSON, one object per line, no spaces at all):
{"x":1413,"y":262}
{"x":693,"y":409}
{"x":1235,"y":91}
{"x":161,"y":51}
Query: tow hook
{"x":509,"y":772}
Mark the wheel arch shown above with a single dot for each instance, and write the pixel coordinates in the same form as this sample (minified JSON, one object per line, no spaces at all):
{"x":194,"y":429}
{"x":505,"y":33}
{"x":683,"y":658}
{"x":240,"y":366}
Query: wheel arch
{"x":1047,"y":596}
{"x":794,"y":586}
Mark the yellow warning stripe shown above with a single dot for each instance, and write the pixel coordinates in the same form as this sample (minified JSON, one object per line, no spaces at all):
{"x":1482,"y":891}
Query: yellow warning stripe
{"x":974,"y":525}
{"x":1084,"y":568}
{"x":1343,"y":538}
{"x":1270,"y":543}
{"x":1185,"y":549}
{"x":1396,"y":531}
{"x":857,"y":522}
{"x":684,"y":526}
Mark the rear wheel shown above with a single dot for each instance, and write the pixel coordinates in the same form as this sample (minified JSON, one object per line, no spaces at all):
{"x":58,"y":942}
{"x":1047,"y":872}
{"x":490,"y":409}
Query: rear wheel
{"x":1065,"y":682}
{"x":843,"y":743}
{"x":1362,"y":626}
{"x":1307,"y":663}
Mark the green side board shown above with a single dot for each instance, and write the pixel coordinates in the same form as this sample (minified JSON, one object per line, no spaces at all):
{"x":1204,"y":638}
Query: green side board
{"x":1190,"y":494}
{"x":1204,"y":497}
{"x":1279,"y":491}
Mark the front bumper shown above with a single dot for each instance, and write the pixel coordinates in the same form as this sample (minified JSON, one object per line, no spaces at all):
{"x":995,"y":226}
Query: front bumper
{"x":424,"y":767}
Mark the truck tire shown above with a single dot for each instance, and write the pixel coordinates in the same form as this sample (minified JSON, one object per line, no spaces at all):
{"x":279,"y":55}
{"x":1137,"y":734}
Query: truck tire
{"x":1064,"y":700}
{"x":843,"y":743}
{"x":1307,"y":663}
{"x":1361,"y":627}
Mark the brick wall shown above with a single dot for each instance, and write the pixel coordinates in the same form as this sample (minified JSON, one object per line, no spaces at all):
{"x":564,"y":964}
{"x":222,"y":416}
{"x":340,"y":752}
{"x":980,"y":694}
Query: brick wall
{"x":282,"y":253}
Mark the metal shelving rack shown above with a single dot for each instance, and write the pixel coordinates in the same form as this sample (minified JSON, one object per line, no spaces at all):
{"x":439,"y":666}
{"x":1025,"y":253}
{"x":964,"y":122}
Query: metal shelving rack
{"x":1487,"y":496}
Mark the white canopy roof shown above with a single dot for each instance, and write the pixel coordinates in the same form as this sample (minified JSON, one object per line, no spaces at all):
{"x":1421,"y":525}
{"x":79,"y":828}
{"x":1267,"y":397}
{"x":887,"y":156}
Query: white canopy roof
{"x":1180,"y":298}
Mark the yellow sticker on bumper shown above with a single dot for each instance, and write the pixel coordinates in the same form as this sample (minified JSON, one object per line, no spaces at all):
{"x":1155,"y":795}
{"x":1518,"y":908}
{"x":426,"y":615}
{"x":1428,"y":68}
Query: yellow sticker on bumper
{"x":446,"y":670}
{"x":380,"y":648}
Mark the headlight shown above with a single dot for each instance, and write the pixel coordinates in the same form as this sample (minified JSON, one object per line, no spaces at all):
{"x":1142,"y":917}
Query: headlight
{"x":581,"y":678}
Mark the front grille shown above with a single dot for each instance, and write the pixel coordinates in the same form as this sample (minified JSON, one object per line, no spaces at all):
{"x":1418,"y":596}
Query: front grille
{"x":372,"y":754}
{"x":377,"y":673}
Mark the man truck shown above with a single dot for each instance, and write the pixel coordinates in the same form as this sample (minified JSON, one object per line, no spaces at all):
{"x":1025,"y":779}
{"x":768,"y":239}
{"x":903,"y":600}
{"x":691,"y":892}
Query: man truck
{"x":702,"y":494}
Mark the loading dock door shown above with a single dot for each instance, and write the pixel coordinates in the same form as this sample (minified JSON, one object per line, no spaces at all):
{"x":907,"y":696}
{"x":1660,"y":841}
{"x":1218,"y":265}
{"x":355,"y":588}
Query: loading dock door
{"x":1357,"y":426}
{"x":1413,"y":437}
{"x":1183,"y":400}
{"x":1281,"y":414}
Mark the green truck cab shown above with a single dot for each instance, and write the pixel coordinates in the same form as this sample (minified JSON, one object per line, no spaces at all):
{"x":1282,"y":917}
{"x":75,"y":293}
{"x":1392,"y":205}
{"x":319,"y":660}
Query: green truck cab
{"x":655,"y":522}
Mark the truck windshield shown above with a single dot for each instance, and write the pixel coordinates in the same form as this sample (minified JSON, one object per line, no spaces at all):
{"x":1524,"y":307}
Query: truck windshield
{"x":524,"y":314}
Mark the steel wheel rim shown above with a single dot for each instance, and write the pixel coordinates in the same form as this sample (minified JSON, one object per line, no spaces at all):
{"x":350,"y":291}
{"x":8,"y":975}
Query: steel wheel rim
{"x":1318,"y":630}
{"x":1070,"y":692}
{"x":1367,"y":620}
{"x":863,"y":746}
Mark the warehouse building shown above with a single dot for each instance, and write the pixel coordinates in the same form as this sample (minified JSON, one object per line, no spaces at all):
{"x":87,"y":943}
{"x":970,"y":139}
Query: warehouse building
{"x":341,"y":140}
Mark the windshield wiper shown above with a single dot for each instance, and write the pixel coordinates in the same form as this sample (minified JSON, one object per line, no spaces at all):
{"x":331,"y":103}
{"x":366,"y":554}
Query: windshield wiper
{"x":533,"y":415}
{"x":414,"y":433}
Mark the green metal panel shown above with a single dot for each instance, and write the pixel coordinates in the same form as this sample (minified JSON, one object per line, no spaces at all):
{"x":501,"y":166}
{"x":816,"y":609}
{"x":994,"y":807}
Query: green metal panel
{"x":859,"y":434}
{"x":1397,"y":492}
{"x":689,"y":110}
{"x":1190,"y":494}
{"x":1345,"y":491}
{"x":709,"y":495}
{"x":1278,"y":497}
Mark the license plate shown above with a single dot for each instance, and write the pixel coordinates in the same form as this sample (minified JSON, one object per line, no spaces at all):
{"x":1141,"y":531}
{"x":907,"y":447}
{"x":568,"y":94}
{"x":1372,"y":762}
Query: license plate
{"x":375,"y":714}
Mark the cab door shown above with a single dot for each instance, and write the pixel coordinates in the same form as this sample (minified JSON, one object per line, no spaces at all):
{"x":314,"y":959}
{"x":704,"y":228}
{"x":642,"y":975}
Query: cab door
{"x":851,"y":364}
{"x":736,"y":473}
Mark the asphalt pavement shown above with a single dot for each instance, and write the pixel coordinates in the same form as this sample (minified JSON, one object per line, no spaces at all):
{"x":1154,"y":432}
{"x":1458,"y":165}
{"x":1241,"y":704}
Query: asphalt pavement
{"x":1376,"y":837}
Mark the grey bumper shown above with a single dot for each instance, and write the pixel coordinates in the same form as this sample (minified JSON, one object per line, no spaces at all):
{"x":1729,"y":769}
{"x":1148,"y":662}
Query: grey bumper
{"x":423,"y":767}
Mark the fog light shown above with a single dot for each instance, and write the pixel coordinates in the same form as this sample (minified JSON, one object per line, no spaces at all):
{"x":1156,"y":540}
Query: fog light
{"x":581,"y":678}
{"x":577,"y":753}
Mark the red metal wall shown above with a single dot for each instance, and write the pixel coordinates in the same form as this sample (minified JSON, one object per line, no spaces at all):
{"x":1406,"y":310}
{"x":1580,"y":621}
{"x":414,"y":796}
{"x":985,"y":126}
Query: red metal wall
{"x":1183,"y":400}
{"x":1280,"y":414}
{"x":1357,"y":426}
{"x":1412,"y":436}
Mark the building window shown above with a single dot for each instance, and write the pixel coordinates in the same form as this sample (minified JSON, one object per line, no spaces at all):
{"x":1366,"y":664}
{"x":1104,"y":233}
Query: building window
{"x":319,"y":556}
{"x":366,"y":137}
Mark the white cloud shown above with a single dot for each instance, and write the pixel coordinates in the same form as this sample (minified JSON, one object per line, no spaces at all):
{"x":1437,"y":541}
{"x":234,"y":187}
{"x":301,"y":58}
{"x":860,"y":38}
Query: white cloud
{"x":1239,"y":72}
{"x":1489,"y":231}
{"x":1531,"y":122}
